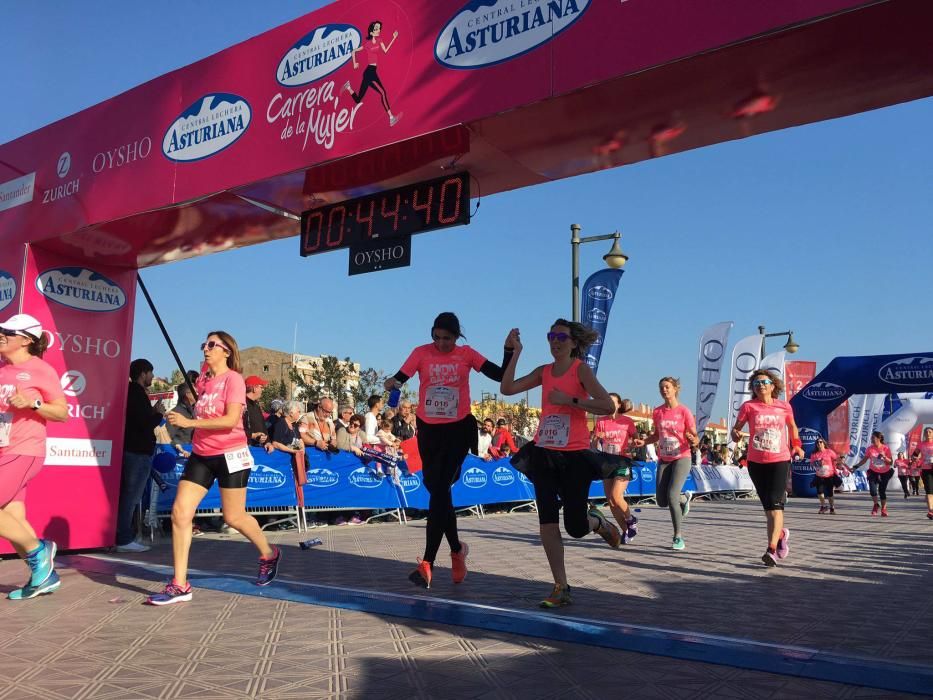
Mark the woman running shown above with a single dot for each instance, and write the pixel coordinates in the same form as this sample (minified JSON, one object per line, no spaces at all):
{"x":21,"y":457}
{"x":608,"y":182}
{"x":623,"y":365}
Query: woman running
{"x":903,"y":473}
{"x":218,"y":452}
{"x":878,"y":456}
{"x":675,"y":431}
{"x":769,"y":420}
{"x":446,"y":432}
{"x":824,"y":461}
{"x":30,"y":395}
{"x":914,"y":473}
{"x":924,"y":453}
{"x":561,"y":463}
{"x":370,"y":78}
{"x":613,"y":434}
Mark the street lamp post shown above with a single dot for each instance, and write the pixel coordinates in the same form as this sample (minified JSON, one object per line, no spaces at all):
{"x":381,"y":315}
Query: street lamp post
{"x":615,"y":259}
{"x":790,"y":346}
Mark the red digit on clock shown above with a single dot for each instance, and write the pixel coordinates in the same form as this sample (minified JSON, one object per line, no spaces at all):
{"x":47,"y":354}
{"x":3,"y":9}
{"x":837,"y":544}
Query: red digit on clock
{"x":342,"y":211}
{"x":366,"y":219}
{"x":393,"y":213}
{"x":313,"y":225}
{"x":425,"y":207}
{"x":444,"y":198}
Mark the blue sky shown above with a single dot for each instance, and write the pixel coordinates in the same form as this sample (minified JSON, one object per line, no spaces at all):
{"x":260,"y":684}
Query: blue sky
{"x":823,"y":229}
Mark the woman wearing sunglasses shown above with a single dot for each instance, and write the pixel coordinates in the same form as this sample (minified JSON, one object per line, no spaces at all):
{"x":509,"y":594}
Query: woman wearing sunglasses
{"x":769,"y":421}
{"x":562,"y":465}
{"x":824,"y":462}
{"x":30,"y":395}
{"x":446,"y":432}
{"x":219,"y":452}
{"x":878,"y":456}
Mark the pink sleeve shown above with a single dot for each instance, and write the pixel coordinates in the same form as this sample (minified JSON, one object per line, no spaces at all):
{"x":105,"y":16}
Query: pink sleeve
{"x":477,"y":360}
{"x":411,"y":364}
{"x":743,"y":414}
{"x":235,"y":391}
{"x":689,"y":421}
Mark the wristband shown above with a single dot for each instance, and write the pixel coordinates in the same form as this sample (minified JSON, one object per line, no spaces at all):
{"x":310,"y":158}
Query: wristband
{"x":796,"y":443}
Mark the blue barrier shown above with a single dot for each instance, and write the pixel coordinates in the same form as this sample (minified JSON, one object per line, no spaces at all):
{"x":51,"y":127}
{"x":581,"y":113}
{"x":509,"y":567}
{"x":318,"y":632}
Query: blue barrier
{"x":341,"y":480}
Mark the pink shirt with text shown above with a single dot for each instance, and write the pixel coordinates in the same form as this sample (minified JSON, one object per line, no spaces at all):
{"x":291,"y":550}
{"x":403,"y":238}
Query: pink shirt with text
{"x":875,"y":458}
{"x":443,"y":381}
{"x":35,"y":379}
{"x":671,"y":425}
{"x":823,"y":463}
{"x":767,"y":427}
{"x":617,"y":432}
{"x":903,"y":467}
{"x":926,"y":455}
{"x":214,"y":395}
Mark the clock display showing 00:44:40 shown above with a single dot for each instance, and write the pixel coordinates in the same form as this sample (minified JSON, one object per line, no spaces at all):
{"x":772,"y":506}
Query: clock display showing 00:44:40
{"x":417,"y":208}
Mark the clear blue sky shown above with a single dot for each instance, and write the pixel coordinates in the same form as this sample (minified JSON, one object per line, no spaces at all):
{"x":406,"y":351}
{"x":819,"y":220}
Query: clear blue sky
{"x":825,"y":229}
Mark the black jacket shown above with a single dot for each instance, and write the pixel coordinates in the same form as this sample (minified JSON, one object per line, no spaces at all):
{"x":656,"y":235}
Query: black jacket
{"x":141,"y":420}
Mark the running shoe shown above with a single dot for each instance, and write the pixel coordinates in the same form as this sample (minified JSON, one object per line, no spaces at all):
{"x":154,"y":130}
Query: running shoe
{"x":605,"y":529}
{"x":906,"y":496}
{"x":782,"y":547}
{"x":458,"y":565}
{"x":356,"y":520}
{"x":172,"y":593}
{"x":394,"y":120}
{"x":930,"y":514}
{"x":769,"y":558}
{"x":823,"y":510}
{"x":134,"y":547}
{"x":559,"y":597}
{"x":268,"y":568}
{"x":874,"y":510}
{"x":41,"y":562}
{"x":678,"y":544}
{"x":52,"y":583}
{"x":685,"y":506}
{"x":631,"y":527}
{"x":422,"y":575}
{"x":832,"y":511}
{"x":884,"y":511}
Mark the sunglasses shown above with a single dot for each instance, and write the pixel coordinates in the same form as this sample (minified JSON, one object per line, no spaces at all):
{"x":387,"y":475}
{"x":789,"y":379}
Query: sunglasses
{"x":211,"y":344}
{"x":354,"y":425}
{"x":761,"y":382}
{"x":560,"y":336}
{"x":13,"y":334}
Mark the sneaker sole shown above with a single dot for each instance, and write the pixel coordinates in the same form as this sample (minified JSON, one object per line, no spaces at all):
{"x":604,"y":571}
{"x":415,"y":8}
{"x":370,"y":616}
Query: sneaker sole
{"x":553,"y":606}
{"x":785,"y":537}
{"x":276,"y":573}
{"x":186,"y":598}
{"x":769,"y":559}
{"x":416,"y":578}
{"x":51,"y":568}
{"x":40,"y":590}
{"x":603,"y":523}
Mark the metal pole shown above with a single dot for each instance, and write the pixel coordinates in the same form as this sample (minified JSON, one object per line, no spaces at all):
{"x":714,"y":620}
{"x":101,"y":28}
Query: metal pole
{"x":575,"y":276}
{"x":761,"y":332}
{"x":168,"y":340}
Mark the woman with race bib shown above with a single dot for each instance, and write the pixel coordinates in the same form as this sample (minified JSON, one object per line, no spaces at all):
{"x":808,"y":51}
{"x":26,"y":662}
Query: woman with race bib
{"x":878,"y":456}
{"x":613,"y":435}
{"x":675,"y":432}
{"x":561,"y":464}
{"x":924,"y":453}
{"x":219,"y":452}
{"x":30,"y":395}
{"x":446,"y":430}
{"x":769,"y":421}
{"x":823,"y":460}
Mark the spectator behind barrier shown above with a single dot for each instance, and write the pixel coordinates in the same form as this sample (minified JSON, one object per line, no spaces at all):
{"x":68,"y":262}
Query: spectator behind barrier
{"x":285,"y":436}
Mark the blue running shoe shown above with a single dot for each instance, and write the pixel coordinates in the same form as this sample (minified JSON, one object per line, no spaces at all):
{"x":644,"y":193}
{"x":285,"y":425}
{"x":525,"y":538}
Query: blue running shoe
{"x":268,"y":568}
{"x":52,"y":583}
{"x":41,"y":562}
{"x":172,"y":593}
{"x":678,"y":544}
{"x":632,"y":527}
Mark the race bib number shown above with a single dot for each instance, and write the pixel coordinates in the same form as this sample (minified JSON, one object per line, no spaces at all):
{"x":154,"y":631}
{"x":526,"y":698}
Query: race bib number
{"x":441,"y":402}
{"x":878,"y":462}
{"x":768,"y":440}
{"x":670,"y":446}
{"x":6,"y":427}
{"x":611,"y":448}
{"x":822,"y":470}
{"x":239,"y":460}
{"x":554,"y":431}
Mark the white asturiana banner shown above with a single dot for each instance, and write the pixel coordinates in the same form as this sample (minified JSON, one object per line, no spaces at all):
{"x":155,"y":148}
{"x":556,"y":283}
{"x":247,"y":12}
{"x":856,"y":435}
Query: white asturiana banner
{"x":713,"y":344}
{"x":745,"y":358}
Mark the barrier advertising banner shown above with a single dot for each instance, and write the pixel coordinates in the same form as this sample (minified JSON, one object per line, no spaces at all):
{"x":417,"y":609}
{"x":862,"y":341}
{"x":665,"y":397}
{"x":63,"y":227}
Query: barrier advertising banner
{"x":713,"y":344}
{"x":599,"y":292}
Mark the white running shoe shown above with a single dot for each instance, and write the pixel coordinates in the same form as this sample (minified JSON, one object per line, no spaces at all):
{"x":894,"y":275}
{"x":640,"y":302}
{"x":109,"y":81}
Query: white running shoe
{"x":133,"y":548}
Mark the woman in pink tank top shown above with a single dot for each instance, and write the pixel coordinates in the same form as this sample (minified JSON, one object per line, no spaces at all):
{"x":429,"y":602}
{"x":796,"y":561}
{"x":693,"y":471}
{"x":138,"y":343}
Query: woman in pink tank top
{"x":562,"y":465}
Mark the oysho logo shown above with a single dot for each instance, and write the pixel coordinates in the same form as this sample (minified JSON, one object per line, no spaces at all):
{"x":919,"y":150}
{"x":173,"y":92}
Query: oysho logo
{"x":80,"y":288}
{"x":7,"y":289}
{"x":207,"y":127}
{"x":122,"y":155}
{"x":487,"y":32}
{"x":264,"y":478}
{"x":322,"y":478}
{"x":363,"y":478}
{"x":410,"y":482}
{"x":73,"y":383}
{"x":474,"y":478}
{"x":910,"y":371}
{"x":318,"y":54}
{"x":824,"y":391}
{"x":600,"y":292}
{"x":85,"y":345}
{"x":503,"y":476}
{"x":597,"y":316}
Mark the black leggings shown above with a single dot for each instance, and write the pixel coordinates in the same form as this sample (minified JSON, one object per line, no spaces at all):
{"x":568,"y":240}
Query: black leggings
{"x":825,"y":485}
{"x":443,"y":447}
{"x":878,"y":484}
{"x":371,"y":80}
{"x":562,"y":478}
{"x":905,"y":484}
{"x":770,"y":483}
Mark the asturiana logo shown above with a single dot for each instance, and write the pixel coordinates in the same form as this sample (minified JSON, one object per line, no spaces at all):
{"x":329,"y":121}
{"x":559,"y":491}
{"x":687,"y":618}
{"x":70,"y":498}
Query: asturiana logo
{"x":503,"y":476}
{"x":597,"y":316}
{"x":7,"y":289}
{"x":264,"y":477}
{"x":363,"y":478}
{"x":910,"y":371}
{"x":809,"y":435}
{"x":474,"y":478}
{"x":646,"y":474}
{"x":600,"y":292}
{"x":81,"y":288}
{"x":214,"y":122}
{"x":410,"y":482}
{"x":322,"y":478}
{"x":486,"y":32}
{"x":318,"y":54}
{"x":824,"y":391}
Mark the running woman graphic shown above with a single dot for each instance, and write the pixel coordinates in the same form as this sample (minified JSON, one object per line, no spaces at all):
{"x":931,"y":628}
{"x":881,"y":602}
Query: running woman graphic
{"x":30,"y":395}
{"x":371,"y":46}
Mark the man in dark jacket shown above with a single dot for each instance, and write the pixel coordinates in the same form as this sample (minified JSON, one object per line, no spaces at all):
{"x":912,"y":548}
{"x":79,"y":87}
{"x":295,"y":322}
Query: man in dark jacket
{"x":142,"y":418}
{"x":185,"y":407}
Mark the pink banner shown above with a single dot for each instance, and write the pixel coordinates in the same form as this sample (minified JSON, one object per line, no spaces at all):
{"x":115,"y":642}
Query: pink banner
{"x":838,"y":429}
{"x":797,"y":375}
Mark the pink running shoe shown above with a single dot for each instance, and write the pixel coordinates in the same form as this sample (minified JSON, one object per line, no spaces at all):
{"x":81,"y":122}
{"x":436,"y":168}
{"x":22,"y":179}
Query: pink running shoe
{"x":782,"y":549}
{"x":874,"y":510}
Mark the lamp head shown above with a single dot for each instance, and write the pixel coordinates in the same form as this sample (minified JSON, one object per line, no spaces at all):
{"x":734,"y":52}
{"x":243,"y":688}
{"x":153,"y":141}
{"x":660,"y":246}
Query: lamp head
{"x":615,"y":258}
{"x":790,"y":346}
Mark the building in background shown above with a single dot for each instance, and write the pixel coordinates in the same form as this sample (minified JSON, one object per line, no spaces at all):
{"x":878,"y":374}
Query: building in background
{"x":276,"y":365}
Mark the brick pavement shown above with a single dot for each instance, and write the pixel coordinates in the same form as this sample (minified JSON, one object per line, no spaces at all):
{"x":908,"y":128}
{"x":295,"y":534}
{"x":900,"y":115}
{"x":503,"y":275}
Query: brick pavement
{"x":93,"y":638}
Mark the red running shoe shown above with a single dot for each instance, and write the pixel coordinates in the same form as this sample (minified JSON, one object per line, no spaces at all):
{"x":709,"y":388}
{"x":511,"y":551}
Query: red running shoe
{"x":884,"y":511}
{"x":874,"y":510}
{"x":422,"y":575}
{"x":458,"y":565}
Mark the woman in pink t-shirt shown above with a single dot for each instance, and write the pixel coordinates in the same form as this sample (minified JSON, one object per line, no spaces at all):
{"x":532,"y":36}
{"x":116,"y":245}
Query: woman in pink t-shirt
{"x":769,"y":421}
{"x":562,"y":465}
{"x":924,"y":453}
{"x":613,"y":435}
{"x":823,"y":460}
{"x":446,"y":432}
{"x":878,"y":456}
{"x":30,"y":395}
{"x":372,"y":45}
{"x":675,"y":432}
{"x":219,"y":452}
{"x":903,"y":473}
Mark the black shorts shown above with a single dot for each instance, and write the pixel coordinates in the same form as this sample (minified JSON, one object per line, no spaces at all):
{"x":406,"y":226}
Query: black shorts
{"x":203,"y":470}
{"x":824,"y":485}
{"x":927,"y":476}
{"x":770,"y":483}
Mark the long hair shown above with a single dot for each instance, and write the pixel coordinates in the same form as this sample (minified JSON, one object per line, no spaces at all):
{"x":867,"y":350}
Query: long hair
{"x":233,"y":359}
{"x":372,"y":27}
{"x":583,"y":336}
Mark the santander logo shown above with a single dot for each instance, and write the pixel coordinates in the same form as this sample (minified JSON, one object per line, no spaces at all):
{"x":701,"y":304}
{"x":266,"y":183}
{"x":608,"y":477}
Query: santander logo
{"x":318,"y":54}
{"x":214,"y":122}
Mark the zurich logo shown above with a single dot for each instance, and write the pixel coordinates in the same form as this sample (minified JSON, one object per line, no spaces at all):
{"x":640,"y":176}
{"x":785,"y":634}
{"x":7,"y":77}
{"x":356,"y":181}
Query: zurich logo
{"x":318,"y":54}
{"x":824,"y":391}
{"x":7,"y":289}
{"x":910,"y":371}
{"x":363,"y":478}
{"x":81,"y":288}
{"x":597,"y":315}
{"x":410,"y":483}
{"x":264,"y":478}
{"x":646,"y":474}
{"x":322,"y":478}
{"x":503,"y":476}
{"x":207,"y":127}
{"x":474,"y":478}
{"x":600,"y":292}
{"x":487,"y":32}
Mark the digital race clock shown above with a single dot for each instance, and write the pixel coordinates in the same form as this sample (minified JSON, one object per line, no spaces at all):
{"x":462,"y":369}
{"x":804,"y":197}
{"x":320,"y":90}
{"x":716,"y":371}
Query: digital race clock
{"x":417,"y":208}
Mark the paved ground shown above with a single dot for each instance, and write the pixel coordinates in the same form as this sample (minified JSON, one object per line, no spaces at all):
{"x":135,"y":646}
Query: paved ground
{"x":854,"y":585}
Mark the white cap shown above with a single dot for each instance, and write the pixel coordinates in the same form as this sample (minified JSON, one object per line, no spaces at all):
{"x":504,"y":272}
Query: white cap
{"x":24,"y":323}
